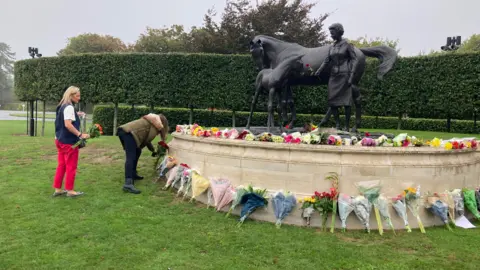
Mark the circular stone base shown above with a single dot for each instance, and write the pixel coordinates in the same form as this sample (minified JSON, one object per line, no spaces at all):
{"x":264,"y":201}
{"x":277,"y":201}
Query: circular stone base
{"x":301,"y":169}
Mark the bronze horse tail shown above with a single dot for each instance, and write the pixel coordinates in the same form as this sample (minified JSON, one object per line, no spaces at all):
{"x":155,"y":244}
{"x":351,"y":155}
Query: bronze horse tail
{"x":386,"y":55}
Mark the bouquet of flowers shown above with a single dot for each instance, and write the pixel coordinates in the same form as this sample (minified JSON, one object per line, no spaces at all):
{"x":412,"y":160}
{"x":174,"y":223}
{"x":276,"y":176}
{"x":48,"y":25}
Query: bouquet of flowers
{"x":368,"y":142}
{"x":382,"y":204}
{"x":345,"y":207}
{"x":199,"y":184}
{"x":237,"y":197}
{"x":226,"y":198}
{"x":400,"y":207}
{"x":324,"y":204}
{"x":371,"y":191}
{"x":291,"y":138}
{"x":185,"y":181}
{"x":438,"y":208}
{"x":477,"y":195}
{"x":456,"y":195}
{"x":218,"y":187}
{"x":380,"y":141}
{"x":412,"y":198}
{"x":251,"y":200}
{"x":447,"y":198}
{"x":177,"y":171}
{"x":308,"y":207}
{"x":334,"y":140}
{"x":362,"y":208}
{"x":277,"y":139}
{"x":95,"y":131}
{"x":471,"y":202}
{"x":265,"y":137}
{"x":243,"y":134}
{"x":162,"y":150}
{"x":283,"y":204}
{"x":333,"y":177}
{"x":402,"y":140}
{"x":168,"y":163}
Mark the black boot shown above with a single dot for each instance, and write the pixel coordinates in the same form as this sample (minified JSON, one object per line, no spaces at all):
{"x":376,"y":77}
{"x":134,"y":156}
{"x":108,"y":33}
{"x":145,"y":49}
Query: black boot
{"x":129,"y":187}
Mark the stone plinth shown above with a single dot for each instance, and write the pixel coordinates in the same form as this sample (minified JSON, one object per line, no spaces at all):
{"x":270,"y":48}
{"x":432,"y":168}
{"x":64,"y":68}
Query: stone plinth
{"x":302,"y":168}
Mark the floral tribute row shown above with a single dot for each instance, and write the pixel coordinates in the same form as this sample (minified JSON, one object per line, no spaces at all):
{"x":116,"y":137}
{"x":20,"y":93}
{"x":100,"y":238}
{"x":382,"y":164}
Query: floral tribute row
{"x":449,"y":206}
{"x":316,"y":137}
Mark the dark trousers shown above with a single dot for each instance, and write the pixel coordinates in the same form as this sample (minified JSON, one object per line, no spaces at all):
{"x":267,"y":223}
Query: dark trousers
{"x":132,"y":153}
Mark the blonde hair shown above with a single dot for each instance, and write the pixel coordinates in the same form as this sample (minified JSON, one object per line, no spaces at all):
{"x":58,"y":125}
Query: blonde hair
{"x":69,"y":93}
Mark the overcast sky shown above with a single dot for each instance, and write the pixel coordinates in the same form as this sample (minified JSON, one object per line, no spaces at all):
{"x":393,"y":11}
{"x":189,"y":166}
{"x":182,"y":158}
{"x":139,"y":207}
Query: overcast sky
{"x":417,"y":24}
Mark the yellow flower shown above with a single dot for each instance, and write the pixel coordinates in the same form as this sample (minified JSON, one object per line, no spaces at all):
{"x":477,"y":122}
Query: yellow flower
{"x":338,"y":142}
{"x":435,"y":142}
{"x":448,"y":146}
{"x":300,"y":201}
{"x":214,"y":130}
{"x":469,"y":144}
{"x":314,"y":200}
{"x":404,"y":193}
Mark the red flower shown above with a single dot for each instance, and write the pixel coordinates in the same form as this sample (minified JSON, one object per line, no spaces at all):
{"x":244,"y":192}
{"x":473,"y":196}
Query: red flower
{"x":313,"y":197}
{"x":163,"y":144}
{"x":307,"y":65}
{"x":287,"y":126}
{"x":474,"y":144}
{"x":455,"y":145}
{"x":184,"y":165}
{"x":461,"y":146}
{"x":317,"y":194}
{"x":405,"y":143}
{"x":367,"y":134}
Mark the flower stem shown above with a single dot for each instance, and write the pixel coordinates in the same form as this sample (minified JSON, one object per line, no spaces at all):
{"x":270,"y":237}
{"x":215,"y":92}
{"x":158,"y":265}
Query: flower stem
{"x":334,"y":213}
{"x":379,"y":221}
{"x":420,"y":224}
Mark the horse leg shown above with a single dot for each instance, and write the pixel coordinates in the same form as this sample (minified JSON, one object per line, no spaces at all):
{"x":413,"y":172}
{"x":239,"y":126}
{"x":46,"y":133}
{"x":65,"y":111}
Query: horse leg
{"x":254,"y":102}
{"x":348,"y":112}
{"x":337,"y":117}
{"x":292,"y":107}
{"x":279,"y":109}
{"x":271,"y":94}
{"x":357,"y":99}
{"x":284,"y":105}
{"x":326,"y":117}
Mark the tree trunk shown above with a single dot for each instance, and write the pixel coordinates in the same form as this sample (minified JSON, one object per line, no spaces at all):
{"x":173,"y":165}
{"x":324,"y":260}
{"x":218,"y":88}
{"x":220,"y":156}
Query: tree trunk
{"x":399,"y":124}
{"x":115,"y":115}
{"x":475,"y":121}
{"x":43,"y":117}
{"x":449,"y":122}
{"x":152,"y":109}
{"x":36,"y":117}
{"x":84,"y":124}
{"x":233,"y":119}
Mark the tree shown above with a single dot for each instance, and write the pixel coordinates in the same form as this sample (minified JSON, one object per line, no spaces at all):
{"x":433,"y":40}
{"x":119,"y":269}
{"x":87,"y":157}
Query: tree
{"x":472,"y":44}
{"x":92,"y":43}
{"x":162,"y":40}
{"x":7,"y":59}
{"x":240,"y":22}
{"x":363,"y":42}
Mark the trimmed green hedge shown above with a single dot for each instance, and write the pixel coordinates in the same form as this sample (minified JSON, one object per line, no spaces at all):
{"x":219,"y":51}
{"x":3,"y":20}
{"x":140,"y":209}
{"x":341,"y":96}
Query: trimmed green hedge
{"x":103,"y":115}
{"x":443,"y":86}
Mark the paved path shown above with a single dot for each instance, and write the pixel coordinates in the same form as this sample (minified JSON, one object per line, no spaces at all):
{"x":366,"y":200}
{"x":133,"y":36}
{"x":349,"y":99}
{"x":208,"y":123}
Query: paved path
{"x":5,"y":115}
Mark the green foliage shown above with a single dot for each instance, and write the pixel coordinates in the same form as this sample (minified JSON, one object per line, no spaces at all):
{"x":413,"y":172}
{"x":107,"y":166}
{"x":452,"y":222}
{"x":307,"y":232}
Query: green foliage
{"x":6,"y":65}
{"x":92,"y":43}
{"x":162,"y":40}
{"x":103,"y":115}
{"x":472,"y":44}
{"x":362,"y":42}
{"x":423,"y":87}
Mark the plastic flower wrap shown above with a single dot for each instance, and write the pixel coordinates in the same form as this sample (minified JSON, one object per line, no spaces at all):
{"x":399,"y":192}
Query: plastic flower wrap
{"x":382,"y":203}
{"x":400,"y":207}
{"x":250,"y":137}
{"x":371,"y":191}
{"x":438,"y":208}
{"x":232,"y":134}
{"x":172,"y":175}
{"x":226,"y":198}
{"x":243,"y":134}
{"x":324,"y":204}
{"x":334,"y":140}
{"x":471,"y":202}
{"x":283,"y":204}
{"x":345,"y":207}
{"x":218,"y":187}
{"x":447,"y":198}
{"x":94,"y":131}
{"x":252,"y":200}
{"x":333,"y":177}
{"x":239,"y":191}
{"x":436,"y":142}
{"x":401,"y":140}
{"x":380,"y":141}
{"x":368,"y":142}
{"x":459,"y":203}
{"x":362,"y":208}
{"x":315,"y":139}
{"x":308,"y":208}
{"x":168,"y":163}
{"x":185,"y":182}
{"x":199,"y":185}
{"x":412,"y":198}
{"x":448,"y":146}
{"x":307,"y":138}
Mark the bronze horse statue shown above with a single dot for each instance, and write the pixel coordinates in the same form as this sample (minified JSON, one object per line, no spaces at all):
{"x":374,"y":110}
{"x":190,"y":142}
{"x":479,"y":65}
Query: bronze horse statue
{"x":269,"y":52}
{"x":273,"y":81}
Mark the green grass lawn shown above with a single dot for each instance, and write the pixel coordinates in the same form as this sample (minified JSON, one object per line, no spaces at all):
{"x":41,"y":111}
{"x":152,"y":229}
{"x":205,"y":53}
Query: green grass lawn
{"x":108,"y":229}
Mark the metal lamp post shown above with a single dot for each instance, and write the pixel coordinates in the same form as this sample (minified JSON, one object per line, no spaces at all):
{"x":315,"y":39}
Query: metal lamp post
{"x":33,"y":52}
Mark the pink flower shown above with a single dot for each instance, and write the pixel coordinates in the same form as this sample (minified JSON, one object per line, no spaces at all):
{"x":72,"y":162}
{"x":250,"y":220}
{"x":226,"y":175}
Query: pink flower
{"x":296,"y":140}
{"x":218,"y":134}
{"x":288,"y":138}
